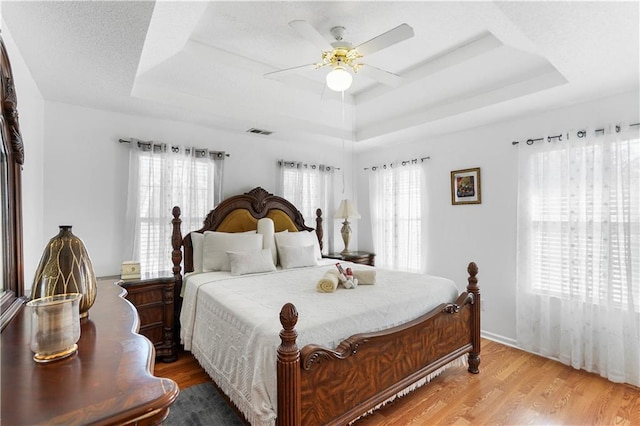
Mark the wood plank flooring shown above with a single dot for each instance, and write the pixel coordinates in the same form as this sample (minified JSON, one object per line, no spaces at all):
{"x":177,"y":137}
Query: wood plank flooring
{"x":513,"y":388}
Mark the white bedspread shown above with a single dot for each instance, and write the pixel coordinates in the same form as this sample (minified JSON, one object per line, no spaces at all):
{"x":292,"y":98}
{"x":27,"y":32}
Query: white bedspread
{"x":231,"y":324}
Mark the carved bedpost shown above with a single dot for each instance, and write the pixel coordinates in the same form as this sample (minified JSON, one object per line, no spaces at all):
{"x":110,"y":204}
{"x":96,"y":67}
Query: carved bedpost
{"x":176,"y":243}
{"x":319,"y":230}
{"x":472,"y":287}
{"x":289,"y":396}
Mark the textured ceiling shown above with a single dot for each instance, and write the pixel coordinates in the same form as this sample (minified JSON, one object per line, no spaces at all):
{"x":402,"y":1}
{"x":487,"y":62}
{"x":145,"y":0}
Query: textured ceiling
{"x":469,"y":63}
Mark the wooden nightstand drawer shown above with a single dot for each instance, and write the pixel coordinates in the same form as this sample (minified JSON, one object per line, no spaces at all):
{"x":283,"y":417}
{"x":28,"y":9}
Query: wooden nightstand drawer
{"x":150,"y":313}
{"x":140,"y":296}
{"x":153,"y":332}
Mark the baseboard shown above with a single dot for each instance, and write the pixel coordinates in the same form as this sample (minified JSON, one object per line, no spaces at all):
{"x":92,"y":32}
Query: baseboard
{"x":500,"y":339}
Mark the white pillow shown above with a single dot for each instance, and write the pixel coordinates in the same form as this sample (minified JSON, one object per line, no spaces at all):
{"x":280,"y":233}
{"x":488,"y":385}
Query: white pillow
{"x":311,"y":235}
{"x":299,"y":239}
{"x":217,"y":244}
{"x":297,"y":257}
{"x":251,"y":262}
{"x":197,"y":241}
{"x":266,"y":228}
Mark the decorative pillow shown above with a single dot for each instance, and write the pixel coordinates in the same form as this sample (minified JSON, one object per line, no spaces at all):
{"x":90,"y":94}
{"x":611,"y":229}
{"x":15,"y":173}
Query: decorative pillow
{"x":251,"y":262}
{"x":267,"y":230}
{"x":297,"y":257}
{"x":217,"y":244}
{"x":299,"y":239}
{"x":313,"y":237}
{"x":197,"y":241}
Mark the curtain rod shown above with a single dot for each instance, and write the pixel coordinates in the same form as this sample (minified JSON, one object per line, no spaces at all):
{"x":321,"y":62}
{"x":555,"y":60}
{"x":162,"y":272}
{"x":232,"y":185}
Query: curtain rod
{"x":402,"y":163}
{"x":150,"y":143}
{"x":580,"y":134}
{"x":285,"y":163}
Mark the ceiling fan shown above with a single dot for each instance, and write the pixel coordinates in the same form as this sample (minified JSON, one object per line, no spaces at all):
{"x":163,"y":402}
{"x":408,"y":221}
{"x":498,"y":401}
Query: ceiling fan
{"x":341,"y":56}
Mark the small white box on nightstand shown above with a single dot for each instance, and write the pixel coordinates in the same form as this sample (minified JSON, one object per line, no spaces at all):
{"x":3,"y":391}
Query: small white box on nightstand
{"x":130,"y":270}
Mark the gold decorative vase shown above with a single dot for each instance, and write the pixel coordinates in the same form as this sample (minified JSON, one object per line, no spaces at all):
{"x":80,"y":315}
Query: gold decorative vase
{"x":65,"y":267}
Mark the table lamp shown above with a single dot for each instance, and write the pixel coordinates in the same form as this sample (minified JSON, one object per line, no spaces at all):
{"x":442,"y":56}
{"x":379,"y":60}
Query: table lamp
{"x":347,"y":210}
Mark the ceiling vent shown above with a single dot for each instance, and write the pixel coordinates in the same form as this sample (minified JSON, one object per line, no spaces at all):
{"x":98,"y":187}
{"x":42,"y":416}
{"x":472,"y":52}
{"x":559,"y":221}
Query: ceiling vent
{"x":259,"y":131}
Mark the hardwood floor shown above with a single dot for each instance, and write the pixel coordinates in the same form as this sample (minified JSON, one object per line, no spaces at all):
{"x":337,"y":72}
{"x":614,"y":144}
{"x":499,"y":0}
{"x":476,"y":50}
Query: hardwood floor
{"x":513,"y":388}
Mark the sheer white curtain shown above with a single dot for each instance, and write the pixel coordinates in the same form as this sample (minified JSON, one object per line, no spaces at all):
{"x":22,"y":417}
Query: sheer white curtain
{"x":396,"y":197}
{"x":579,"y":252}
{"x":161,"y":177}
{"x":309,"y":187}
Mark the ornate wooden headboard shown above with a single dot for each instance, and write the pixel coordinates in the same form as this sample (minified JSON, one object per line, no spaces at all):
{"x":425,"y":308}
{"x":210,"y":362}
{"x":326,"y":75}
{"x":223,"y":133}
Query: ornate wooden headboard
{"x":257,"y":204}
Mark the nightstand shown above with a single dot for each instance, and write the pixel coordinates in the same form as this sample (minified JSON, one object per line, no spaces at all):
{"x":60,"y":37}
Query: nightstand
{"x":153,"y":297}
{"x":362,"y":257}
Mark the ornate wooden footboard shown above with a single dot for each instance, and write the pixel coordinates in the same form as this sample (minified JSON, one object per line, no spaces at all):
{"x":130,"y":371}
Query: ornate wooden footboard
{"x":320,"y":386}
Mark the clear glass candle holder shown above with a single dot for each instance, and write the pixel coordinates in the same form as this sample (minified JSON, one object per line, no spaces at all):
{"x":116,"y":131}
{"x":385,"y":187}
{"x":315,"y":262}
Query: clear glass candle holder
{"x":55,"y":326}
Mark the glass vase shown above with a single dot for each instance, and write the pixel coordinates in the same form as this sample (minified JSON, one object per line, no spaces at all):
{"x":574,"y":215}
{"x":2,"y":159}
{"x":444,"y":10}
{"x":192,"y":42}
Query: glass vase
{"x":55,"y":326}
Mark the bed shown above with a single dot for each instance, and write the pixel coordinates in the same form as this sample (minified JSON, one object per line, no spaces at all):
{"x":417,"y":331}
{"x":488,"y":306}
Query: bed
{"x":299,"y":369}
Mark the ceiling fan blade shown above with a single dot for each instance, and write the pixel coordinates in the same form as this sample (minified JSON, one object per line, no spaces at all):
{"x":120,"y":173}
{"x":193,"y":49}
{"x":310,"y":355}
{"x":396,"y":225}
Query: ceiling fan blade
{"x":310,"y":34}
{"x":285,"y":71}
{"x":393,"y":36}
{"x":384,"y":77}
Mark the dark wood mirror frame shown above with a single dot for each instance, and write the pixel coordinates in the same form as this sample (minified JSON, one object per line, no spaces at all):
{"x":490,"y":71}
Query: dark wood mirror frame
{"x":12,"y":291}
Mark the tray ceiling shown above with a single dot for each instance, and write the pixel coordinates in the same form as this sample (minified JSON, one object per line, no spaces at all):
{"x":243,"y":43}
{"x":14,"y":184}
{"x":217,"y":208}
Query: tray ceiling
{"x":469,"y":63}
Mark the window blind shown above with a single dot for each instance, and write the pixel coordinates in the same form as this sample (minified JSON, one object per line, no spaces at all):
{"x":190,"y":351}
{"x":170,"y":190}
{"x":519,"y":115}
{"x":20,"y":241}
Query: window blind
{"x":585,"y":226}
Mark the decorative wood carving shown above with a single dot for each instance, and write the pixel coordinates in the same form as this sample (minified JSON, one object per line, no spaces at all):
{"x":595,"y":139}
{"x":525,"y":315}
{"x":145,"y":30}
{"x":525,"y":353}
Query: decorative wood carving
{"x":288,"y":368}
{"x":258,"y":202}
{"x":10,"y":107}
{"x":472,"y":287}
{"x":11,"y":298}
{"x":319,"y":230}
{"x":176,"y":243}
{"x":337,"y":386}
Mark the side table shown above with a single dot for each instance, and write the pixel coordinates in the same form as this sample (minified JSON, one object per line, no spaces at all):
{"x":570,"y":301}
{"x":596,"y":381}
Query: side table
{"x":362,"y":257}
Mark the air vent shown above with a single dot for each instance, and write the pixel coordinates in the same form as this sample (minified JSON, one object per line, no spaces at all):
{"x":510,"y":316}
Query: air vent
{"x":259,"y":131}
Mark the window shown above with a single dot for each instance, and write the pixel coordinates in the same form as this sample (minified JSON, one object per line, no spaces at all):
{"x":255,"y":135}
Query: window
{"x":309,"y":187}
{"x":585,"y":223}
{"x":159,"y":180}
{"x":578,"y":293}
{"x":396,"y":216}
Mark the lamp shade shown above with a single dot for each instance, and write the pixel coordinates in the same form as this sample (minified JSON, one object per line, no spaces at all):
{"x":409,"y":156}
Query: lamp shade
{"x":347,"y":210}
{"x":339,"y":79}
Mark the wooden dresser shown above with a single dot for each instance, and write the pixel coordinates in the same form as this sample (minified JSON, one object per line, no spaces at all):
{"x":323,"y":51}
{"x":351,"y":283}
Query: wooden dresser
{"x":108,"y":381}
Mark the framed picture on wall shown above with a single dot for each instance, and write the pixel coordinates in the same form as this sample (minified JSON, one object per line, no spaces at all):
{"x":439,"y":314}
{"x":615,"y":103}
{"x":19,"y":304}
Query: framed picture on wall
{"x":465,"y":186}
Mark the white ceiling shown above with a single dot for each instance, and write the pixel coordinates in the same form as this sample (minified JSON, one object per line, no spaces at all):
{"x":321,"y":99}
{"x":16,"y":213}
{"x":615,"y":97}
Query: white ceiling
{"x":469,"y":63}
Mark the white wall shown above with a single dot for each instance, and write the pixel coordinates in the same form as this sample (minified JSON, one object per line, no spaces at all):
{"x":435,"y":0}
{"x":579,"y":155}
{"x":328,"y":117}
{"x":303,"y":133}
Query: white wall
{"x":31,"y":118}
{"x":86,"y":170}
{"x":484,"y":233}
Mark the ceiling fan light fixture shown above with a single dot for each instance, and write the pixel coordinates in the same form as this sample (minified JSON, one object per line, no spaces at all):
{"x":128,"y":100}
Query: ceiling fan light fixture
{"x":339,"y":79}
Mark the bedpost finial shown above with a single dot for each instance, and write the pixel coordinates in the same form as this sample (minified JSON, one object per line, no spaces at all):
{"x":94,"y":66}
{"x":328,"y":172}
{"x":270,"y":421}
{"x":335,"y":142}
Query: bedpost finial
{"x":288,"y":316}
{"x":175,"y":211}
{"x":472,"y":269}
